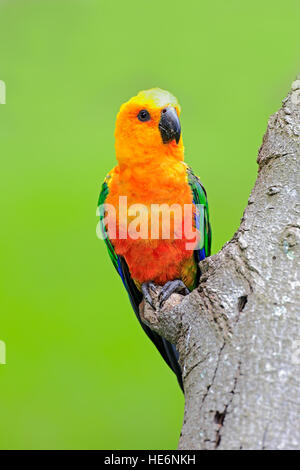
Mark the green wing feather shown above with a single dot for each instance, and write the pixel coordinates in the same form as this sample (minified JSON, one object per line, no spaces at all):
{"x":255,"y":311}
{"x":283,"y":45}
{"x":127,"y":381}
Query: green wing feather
{"x":102,"y":198}
{"x":202,"y":216}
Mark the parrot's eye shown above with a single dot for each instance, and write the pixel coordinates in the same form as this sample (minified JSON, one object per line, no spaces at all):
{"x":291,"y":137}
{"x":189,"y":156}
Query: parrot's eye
{"x":144,"y":115}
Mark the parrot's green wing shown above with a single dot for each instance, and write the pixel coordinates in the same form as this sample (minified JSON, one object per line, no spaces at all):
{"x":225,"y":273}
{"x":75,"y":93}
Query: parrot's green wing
{"x":201,"y":216}
{"x":166,"y":349}
{"x":101,"y":205}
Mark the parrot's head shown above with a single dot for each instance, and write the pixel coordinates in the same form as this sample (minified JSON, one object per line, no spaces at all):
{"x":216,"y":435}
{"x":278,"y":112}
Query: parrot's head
{"x":148,"y":128}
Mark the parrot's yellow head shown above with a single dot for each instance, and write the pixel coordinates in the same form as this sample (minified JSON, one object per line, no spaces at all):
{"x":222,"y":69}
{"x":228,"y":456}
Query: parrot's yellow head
{"x":148,"y":128}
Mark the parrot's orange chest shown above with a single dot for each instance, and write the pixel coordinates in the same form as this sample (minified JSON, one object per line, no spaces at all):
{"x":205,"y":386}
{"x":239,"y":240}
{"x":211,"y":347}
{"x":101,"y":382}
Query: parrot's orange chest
{"x":151,"y":256}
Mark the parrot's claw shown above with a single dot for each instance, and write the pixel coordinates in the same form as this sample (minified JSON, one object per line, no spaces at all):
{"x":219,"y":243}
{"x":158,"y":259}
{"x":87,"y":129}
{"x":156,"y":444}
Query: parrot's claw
{"x":169,"y":288}
{"x":146,"y":287}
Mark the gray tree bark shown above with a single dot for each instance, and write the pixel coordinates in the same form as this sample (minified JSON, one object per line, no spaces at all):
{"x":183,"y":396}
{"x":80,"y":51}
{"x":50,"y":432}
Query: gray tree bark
{"x":238,"y":333}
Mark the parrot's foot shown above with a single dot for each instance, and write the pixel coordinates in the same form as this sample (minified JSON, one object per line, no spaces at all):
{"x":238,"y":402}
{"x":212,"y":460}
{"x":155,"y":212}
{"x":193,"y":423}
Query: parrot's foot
{"x":146,"y":287}
{"x":169,"y":288}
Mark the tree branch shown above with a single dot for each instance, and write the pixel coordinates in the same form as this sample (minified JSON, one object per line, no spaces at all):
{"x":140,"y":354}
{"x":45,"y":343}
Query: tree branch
{"x":238,"y":333}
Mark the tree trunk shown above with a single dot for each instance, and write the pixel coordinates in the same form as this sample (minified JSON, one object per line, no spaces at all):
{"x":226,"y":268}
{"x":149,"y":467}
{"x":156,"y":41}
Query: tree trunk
{"x":238,"y":333}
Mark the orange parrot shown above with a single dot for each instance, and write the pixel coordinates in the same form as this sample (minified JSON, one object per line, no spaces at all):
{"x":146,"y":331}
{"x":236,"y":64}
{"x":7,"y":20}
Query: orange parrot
{"x":151,"y":179}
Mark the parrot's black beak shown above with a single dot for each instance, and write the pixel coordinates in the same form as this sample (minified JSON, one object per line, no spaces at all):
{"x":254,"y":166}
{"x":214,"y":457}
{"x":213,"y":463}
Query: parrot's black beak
{"x":169,"y":125}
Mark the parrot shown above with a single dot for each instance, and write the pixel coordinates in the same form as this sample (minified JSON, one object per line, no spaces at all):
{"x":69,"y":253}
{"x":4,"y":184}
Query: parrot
{"x":150,"y":172}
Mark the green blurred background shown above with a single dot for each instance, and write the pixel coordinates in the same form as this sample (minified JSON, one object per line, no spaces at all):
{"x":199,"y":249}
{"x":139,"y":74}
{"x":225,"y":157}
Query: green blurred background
{"x":80,"y":372}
